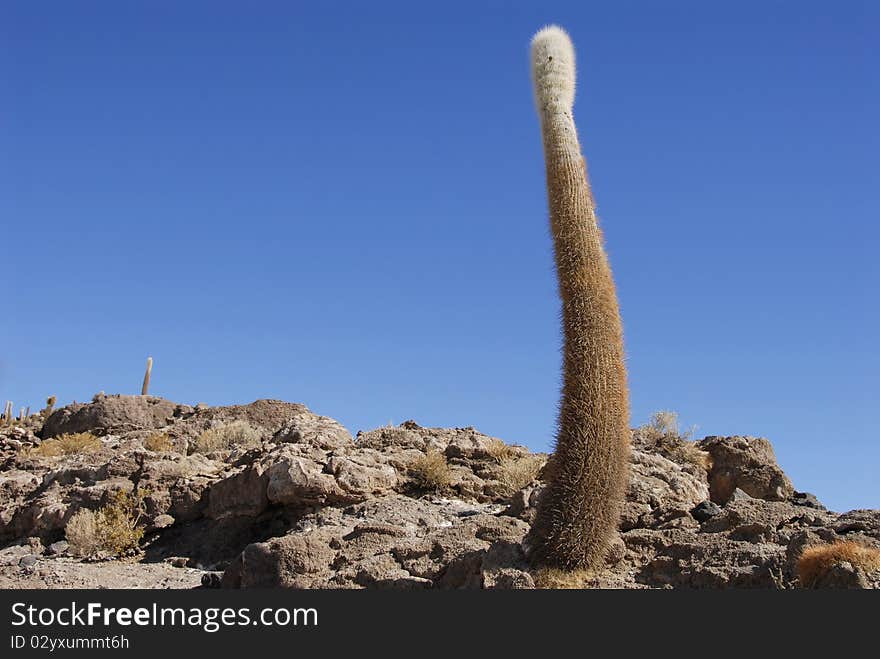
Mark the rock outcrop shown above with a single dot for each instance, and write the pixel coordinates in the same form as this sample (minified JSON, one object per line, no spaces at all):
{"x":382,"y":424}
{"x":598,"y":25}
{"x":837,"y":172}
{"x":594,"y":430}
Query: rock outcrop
{"x":303,"y":504}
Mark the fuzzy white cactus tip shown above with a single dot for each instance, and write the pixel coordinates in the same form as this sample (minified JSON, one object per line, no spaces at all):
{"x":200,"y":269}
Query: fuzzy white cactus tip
{"x":553,"y":69}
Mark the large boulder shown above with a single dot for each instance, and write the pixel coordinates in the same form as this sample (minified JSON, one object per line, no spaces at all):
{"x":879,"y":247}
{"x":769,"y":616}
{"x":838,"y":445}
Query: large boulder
{"x":745,"y":463}
{"x":113,"y":414}
{"x":243,"y":494}
{"x":306,"y":427}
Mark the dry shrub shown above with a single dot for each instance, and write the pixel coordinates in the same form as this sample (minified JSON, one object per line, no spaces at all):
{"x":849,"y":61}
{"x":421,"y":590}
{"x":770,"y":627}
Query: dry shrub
{"x":498,"y":450}
{"x":517,"y":472}
{"x":224,"y":437}
{"x":816,"y":561}
{"x":70,"y":444}
{"x":431,"y":471}
{"x":113,"y":529}
{"x":549,"y":578}
{"x":82,"y":533}
{"x":663,"y":433}
{"x":159,"y":442}
{"x":663,"y":423}
{"x":118,"y":523}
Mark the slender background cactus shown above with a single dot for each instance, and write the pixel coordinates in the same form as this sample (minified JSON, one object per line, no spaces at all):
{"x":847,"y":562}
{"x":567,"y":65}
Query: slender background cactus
{"x":145,"y":389}
{"x":579,"y":510}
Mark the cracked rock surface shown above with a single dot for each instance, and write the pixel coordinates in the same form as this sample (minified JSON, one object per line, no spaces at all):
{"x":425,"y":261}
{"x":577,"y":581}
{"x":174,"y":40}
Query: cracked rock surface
{"x":304,"y":504}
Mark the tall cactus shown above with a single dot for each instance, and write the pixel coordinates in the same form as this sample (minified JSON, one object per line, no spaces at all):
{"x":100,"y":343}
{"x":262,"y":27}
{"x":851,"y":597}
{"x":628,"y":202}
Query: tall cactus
{"x":579,"y":511}
{"x":145,"y":388}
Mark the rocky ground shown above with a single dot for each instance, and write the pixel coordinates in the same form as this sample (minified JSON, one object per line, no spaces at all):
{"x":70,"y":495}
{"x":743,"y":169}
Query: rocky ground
{"x":305,"y":505}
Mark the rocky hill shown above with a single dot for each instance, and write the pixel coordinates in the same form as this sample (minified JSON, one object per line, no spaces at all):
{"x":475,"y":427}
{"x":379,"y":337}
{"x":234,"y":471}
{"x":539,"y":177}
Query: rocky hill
{"x":272,"y":495}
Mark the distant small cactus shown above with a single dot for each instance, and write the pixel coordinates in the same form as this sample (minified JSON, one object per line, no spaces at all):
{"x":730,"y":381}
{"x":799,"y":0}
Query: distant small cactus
{"x":146,"y":388}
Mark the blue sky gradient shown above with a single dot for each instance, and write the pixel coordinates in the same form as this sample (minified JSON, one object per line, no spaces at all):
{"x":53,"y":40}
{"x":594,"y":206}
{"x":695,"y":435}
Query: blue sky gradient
{"x":343,"y":204}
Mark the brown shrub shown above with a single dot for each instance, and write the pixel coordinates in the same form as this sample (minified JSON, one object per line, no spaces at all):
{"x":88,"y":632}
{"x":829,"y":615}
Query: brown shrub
{"x":224,"y":437}
{"x":159,"y":442}
{"x":515,"y":473}
{"x":549,"y":578}
{"x":663,"y":434}
{"x":71,"y":444}
{"x":498,"y":450}
{"x":118,"y":523}
{"x":816,"y":561}
{"x":113,"y":529}
{"x":82,"y":533}
{"x":431,"y":471}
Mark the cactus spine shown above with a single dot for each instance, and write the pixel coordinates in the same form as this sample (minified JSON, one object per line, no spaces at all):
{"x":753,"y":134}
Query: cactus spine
{"x":146,"y":387}
{"x":579,"y":511}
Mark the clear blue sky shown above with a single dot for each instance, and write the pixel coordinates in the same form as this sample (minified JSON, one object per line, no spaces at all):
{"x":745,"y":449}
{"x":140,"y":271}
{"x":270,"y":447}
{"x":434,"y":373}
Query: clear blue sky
{"x":343,"y":204}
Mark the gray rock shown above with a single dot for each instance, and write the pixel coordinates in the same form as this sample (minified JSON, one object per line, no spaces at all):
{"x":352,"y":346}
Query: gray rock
{"x":661,"y":493}
{"x":13,"y":555}
{"x":304,"y":427}
{"x":162,"y":522}
{"x":112,"y":414}
{"x":806,"y":499}
{"x":243,"y":494}
{"x":212,"y":580}
{"x":738,"y":495}
{"x":859,"y":522}
{"x":705,"y":510}
{"x":59,"y":547}
{"x":747,"y":463}
{"x":298,"y":480}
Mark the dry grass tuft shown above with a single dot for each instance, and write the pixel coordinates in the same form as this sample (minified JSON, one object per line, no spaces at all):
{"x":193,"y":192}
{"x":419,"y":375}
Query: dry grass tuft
{"x":816,"y":561}
{"x":662,"y":431}
{"x":431,"y":471}
{"x":500,"y":451}
{"x":517,"y":472}
{"x":550,"y":578}
{"x":224,"y":437}
{"x":82,"y":533}
{"x":113,"y":529}
{"x":71,"y":444}
{"x":159,"y":442}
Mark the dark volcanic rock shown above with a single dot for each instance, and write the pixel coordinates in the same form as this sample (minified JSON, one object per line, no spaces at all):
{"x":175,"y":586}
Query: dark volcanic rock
{"x":806,"y":499}
{"x":705,"y":510}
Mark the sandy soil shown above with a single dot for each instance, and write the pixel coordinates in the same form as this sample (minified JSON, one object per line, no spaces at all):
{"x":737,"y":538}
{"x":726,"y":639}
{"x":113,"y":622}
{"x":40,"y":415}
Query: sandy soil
{"x":68,"y":573}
